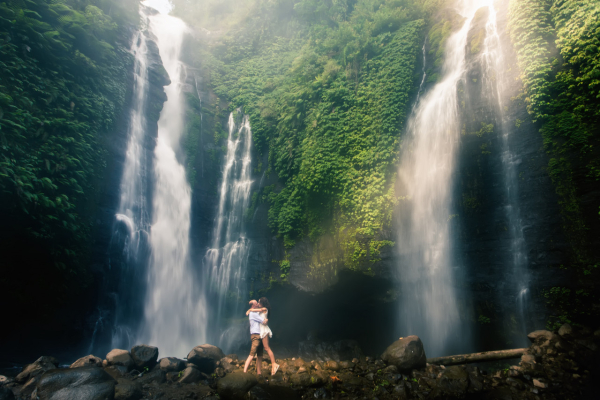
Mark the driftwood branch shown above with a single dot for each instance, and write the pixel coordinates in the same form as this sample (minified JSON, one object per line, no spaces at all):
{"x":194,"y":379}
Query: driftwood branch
{"x":477,"y":357}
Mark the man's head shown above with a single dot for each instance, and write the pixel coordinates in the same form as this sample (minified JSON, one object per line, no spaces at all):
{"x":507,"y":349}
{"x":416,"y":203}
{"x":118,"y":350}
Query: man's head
{"x":253,"y":303}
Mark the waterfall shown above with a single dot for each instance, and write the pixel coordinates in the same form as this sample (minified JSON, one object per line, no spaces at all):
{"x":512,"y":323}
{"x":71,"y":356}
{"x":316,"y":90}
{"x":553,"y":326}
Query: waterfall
{"x":429,"y":305}
{"x":174,"y":313}
{"x":226,"y":261}
{"x":428,"y":270}
{"x":132,"y":218}
{"x":496,"y":86}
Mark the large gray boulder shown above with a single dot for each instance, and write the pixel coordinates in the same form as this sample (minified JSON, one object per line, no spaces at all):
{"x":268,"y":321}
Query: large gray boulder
{"x":144,"y":356}
{"x":36,"y":368}
{"x":89,"y":383}
{"x":87,"y":361}
{"x":128,"y":390}
{"x":171,"y":364}
{"x":406,"y":354}
{"x":235,"y":386}
{"x":205,"y":357}
{"x":120,"y":357}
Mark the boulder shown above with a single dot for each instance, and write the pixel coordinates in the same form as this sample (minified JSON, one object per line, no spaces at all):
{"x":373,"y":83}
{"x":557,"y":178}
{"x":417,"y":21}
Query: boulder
{"x":90,"y":360}
{"x":89,"y":383}
{"x":144,"y":356}
{"x":156,"y":376}
{"x":120,"y":357}
{"x":205,"y":357}
{"x":116,"y":371}
{"x":306,"y":380}
{"x":190,"y":375}
{"x":4,"y":380}
{"x":171,"y":364}
{"x":36,"y":368}
{"x":543,"y":338}
{"x":332,"y":365}
{"x":128,"y":390}
{"x":406,"y":354}
{"x":6,"y":394}
{"x":566,"y":331}
{"x":235,"y":386}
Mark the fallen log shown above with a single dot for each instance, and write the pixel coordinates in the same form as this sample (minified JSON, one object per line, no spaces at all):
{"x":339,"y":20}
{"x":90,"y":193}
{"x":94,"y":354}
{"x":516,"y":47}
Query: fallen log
{"x":477,"y":357}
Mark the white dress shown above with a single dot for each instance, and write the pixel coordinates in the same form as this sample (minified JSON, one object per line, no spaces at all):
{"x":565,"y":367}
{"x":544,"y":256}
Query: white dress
{"x":264,"y":329}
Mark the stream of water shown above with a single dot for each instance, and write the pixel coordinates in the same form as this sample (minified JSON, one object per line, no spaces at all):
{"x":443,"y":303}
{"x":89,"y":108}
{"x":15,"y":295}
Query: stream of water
{"x":174,"y":313}
{"x":225,"y":261}
{"x":428,"y":270}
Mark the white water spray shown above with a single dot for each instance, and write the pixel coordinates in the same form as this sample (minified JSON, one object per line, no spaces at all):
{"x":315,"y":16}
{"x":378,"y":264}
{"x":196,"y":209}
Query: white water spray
{"x":227,"y":258}
{"x":175,"y":314}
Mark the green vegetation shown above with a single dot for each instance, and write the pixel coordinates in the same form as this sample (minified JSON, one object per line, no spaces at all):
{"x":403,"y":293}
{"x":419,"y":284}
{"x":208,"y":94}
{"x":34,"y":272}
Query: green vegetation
{"x":62,"y":86}
{"x":557,"y":44}
{"x":327,"y":85}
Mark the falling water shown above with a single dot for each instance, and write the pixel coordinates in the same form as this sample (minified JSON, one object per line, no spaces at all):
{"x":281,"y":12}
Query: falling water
{"x":132,"y":219}
{"x":496,"y":85}
{"x":226,"y":260}
{"x":430,"y":307}
{"x":174,"y":311}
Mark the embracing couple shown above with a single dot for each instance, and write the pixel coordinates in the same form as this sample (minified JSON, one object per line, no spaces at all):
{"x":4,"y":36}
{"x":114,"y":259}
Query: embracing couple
{"x":260,"y":334}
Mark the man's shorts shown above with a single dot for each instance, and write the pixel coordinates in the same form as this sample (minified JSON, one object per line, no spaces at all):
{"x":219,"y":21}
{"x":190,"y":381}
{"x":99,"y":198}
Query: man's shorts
{"x":257,"y":346}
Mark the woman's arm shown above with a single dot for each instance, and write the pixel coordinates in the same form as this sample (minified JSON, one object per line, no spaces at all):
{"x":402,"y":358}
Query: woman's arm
{"x":256,"y":310}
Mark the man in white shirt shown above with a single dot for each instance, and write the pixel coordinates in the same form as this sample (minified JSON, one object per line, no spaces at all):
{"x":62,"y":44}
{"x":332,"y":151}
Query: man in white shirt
{"x":257,"y":346}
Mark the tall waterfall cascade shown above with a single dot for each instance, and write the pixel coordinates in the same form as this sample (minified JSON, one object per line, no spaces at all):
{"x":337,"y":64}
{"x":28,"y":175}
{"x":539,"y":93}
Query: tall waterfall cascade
{"x":174,"y":315}
{"x":428,"y":270}
{"x":225,"y":262}
{"x":133,"y":219}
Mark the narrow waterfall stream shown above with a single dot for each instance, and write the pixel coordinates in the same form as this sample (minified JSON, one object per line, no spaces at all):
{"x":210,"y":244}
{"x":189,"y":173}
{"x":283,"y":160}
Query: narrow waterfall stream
{"x":133,"y":220}
{"x":226,"y":261}
{"x":496,"y":85}
{"x":173,"y":316}
{"x":429,"y":272}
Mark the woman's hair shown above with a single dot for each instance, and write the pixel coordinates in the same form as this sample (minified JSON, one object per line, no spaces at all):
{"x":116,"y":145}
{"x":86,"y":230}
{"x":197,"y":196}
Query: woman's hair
{"x":264,"y":302}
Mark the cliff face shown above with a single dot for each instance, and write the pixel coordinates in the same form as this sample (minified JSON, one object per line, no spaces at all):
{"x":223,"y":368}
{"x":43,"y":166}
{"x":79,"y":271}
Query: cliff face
{"x":483,"y":250}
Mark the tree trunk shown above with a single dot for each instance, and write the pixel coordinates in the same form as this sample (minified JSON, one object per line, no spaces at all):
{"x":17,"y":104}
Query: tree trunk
{"x":477,"y":357}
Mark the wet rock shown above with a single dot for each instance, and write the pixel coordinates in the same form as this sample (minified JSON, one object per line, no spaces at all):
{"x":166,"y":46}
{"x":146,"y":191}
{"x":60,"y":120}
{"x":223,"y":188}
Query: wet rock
{"x":332,"y":365}
{"x":540,"y":384}
{"x":36,"y":368}
{"x":144,"y":356}
{"x":235,"y":386}
{"x":120,"y":357}
{"x":543,"y":338}
{"x":190,"y":375}
{"x":4,"y":380}
{"x":86,"y":361}
{"x":128,"y":390}
{"x":302,"y":380}
{"x":171,"y":364}
{"x":89,"y":383}
{"x":322,"y":393}
{"x":390,"y":369}
{"x":587,"y":344}
{"x":116,"y":371}
{"x":6,"y":394}
{"x":205,"y":357}
{"x":155,"y":376}
{"x":346,"y":365}
{"x":566,"y":331}
{"x":406,"y":354}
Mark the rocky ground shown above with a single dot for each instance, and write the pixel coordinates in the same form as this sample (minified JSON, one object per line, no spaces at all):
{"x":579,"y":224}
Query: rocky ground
{"x":557,"y":365}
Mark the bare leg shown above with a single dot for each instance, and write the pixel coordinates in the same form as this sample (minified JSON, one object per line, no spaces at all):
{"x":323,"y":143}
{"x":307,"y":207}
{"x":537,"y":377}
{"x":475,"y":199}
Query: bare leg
{"x":258,"y":364}
{"x":248,"y":361}
{"x":271,"y":355}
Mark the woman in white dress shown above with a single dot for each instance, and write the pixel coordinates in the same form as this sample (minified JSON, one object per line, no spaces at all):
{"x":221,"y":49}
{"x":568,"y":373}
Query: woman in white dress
{"x":264,"y":308}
